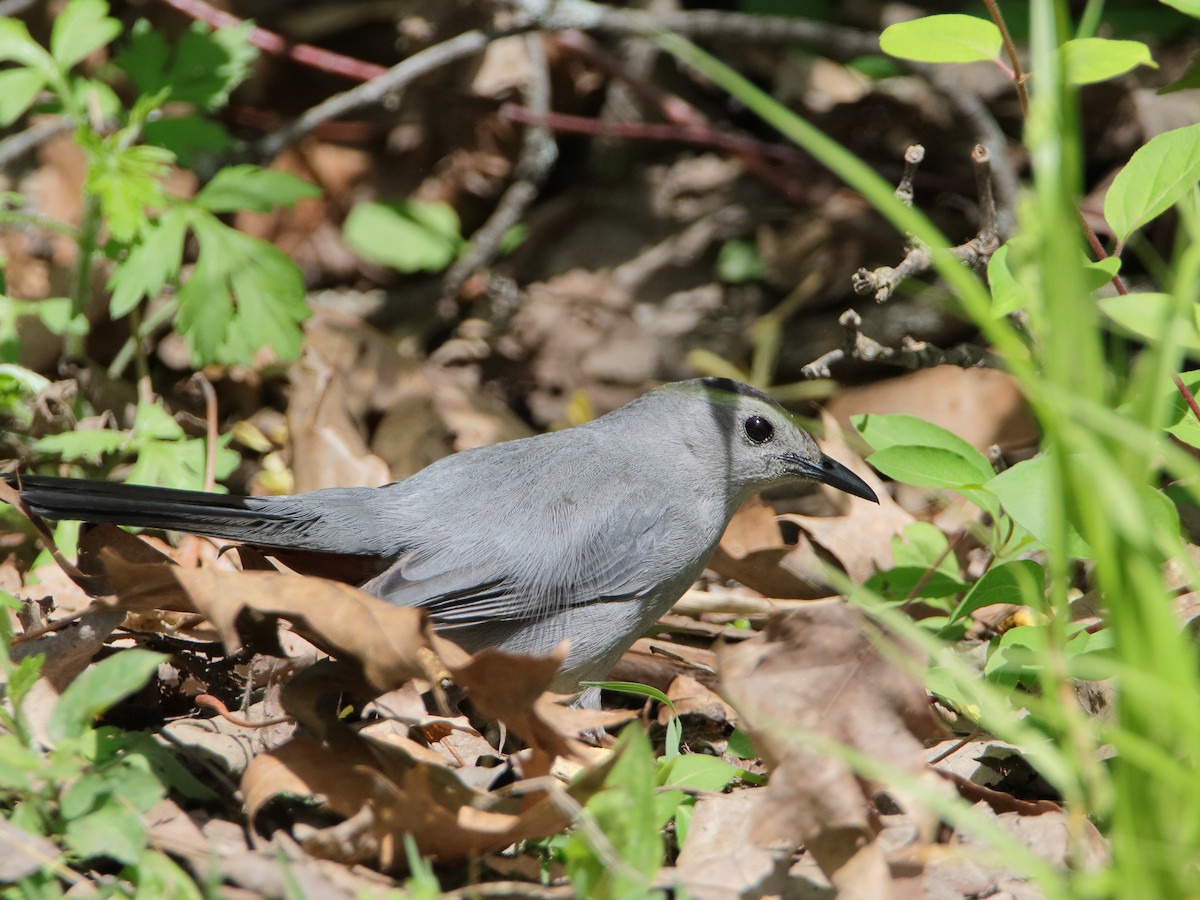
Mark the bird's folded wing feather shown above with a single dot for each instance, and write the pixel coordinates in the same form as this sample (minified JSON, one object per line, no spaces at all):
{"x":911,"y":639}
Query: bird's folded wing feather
{"x":570,"y":566}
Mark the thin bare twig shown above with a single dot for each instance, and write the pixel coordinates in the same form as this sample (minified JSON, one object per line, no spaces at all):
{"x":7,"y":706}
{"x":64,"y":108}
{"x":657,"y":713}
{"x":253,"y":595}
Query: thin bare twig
{"x":1010,"y":49}
{"x":883,"y":281}
{"x":13,"y":148}
{"x":210,"y":418}
{"x":910,"y":355}
{"x":377,"y":89}
{"x":538,"y":155}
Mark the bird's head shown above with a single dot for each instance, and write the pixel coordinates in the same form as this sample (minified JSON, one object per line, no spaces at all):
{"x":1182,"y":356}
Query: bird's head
{"x":758,"y":443}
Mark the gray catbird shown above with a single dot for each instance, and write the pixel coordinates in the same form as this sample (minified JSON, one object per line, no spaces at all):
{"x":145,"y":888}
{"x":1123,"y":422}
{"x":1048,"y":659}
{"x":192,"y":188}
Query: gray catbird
{"x":590,"y":533}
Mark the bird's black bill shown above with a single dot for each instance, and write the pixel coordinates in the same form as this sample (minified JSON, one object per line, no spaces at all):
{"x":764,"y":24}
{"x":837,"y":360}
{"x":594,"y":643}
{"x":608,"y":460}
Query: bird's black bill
{"x":833,"y":473}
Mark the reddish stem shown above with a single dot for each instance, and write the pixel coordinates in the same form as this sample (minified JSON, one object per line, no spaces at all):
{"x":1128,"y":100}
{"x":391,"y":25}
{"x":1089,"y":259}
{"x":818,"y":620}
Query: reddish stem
{"x":1188,"y":397}
{"x":270,"y":42}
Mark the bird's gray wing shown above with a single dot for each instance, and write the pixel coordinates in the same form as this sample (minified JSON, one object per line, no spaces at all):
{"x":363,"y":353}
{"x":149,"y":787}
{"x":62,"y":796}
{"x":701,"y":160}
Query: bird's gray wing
{"x":596,"y":559}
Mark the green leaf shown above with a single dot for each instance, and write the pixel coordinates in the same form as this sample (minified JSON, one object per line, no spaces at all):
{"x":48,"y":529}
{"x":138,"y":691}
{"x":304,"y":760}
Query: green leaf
{"x":698,"y":771}
{"x":1088,"y":60}
{"x":127,"y":182}
{"x":1148,"y":316}
{"x":1018,"y":656}
{"x":1181,"y":421}
{"x":884,"y":431}
{"x":98,"y":688}
{"x":150,"y":264}
{"x":1156,"y":176}
{"x":627,"y":813}
{"x":923,"y":545}
{"x":928,"y":467}
{"x":1021,"y":581}
{"x":18,"y":89}
{"x":1190,"y":78}
{"x":81,"y":29}
{"x":1190,"y":7}
{"x":113,"y":830}
{"x":19,"y":765}
{"x":243,"y":294}
{"x":16,"y":45}
{"x":739,"y":262}
{"x":1007,"y":296}
{"x":167,"y":769}
{"x":203,"y":68}
{"x":915,"y":582}
{"x":410,"y":236}
{"x":188,"y":137}
{"x":156,"y":875}
{"x":82,"y":445}
{"x":1024,"y":490}
{"x":1098,"y":273}
{"x":252,"y":187}
{"x":949,"y":38}
{"x":741,"y":746}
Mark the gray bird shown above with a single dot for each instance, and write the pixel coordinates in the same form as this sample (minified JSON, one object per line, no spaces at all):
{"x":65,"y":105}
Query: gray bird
{"x":590,"y":533}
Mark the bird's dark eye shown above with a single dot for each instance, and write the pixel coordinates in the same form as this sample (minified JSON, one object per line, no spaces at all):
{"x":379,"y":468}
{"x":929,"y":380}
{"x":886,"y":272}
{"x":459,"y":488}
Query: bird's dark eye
{"x":759,"y":429}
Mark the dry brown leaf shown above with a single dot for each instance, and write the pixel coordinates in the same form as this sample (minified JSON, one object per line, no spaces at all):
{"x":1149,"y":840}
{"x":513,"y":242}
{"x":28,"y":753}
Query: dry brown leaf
{"x":385,"y":794}
{"x":513,"y":689}
{"x":815,"y":673}
{"x":753,"y":552}
{"x":725,"y":857}
{"x":386,"y":640}
{"x":982,"y":406}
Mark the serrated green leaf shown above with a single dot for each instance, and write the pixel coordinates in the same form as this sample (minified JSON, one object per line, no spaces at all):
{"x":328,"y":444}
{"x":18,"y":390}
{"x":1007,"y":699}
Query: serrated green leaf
{"x":22,"y":677}
{"x":411,"y":236}
{"x":188,"y":137}
{"x":18,"y":89}
{"x":1156,"y":176}
{"x":19,"y":764}
{"x":1022,"y":582}
{"x":98,"y":688}
{"x":149,"y":265}
{"x":153,"y":423}
{"x":82,"y":28}
{"x":254,"y":188}
{"x":82,"y":445}
{"x":127,"y":183}
{"x":951,"y":38}
{"x":1147,"y":316}
{"x":201,"y":69}
{"x":113,"y":830}
{"x":59,"y":316}
{"x":1089,"y":60}
{"x":156,"y":875}
{"x":17,"y":45}
{"x":242,"y":295}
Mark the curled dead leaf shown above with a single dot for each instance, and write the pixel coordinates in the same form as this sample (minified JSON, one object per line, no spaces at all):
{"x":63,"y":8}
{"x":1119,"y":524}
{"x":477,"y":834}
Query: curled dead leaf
{"x":386,"y":640}
{"x":818,"y":677}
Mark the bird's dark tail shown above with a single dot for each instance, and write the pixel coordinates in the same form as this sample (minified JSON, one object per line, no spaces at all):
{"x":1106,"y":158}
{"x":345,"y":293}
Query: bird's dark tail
{"x":254,"y":520}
